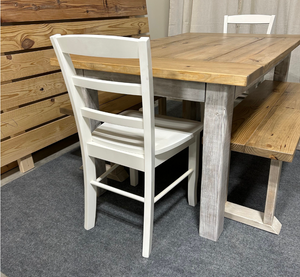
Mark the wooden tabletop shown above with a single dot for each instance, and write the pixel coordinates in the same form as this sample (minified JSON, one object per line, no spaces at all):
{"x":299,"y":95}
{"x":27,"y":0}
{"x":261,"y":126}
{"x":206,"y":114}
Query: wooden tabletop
{"x":230,"y":59}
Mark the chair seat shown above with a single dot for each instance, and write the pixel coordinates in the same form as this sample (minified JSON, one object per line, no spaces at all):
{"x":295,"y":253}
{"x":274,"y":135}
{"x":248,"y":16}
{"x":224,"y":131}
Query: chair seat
{"x":169,"y":133}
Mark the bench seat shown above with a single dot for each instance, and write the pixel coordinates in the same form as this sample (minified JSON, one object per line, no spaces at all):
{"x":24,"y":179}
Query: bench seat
{"x":266,"y":124}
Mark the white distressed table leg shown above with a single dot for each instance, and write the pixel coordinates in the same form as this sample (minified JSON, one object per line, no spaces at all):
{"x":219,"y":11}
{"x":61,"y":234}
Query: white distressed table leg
{"x":281,"y":71}
{"x":216,"y":155}
{"x":274,"y":176}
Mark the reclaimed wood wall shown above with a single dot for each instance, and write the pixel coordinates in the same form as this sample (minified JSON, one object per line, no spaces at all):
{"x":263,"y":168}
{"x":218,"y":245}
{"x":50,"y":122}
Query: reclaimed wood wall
{"x":32,"y":91}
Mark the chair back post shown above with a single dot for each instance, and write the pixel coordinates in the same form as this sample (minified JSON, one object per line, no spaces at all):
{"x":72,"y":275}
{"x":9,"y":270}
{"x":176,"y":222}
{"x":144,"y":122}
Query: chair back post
{"x":84,"y":127}
{"x":147,"y":100}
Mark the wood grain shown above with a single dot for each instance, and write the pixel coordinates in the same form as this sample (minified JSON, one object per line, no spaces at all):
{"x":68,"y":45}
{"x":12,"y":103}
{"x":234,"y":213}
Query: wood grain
{"x":278,"y":134}
{"x":24,"y":118}
{"x":210,"y":58}
{"x":30,"y":90}
{"x":249,"y":113}
{"x":26,"y":64}
{"x":216,"y":158}
{"x":189,"y":70}
{"x":42,"y":10}
{"x":20,"y":37}
{"x":34,"y":140}
{"x":267,"y":122}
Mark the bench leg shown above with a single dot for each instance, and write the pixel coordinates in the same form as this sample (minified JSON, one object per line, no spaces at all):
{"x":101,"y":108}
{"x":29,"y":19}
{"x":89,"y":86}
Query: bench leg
{"x":265,"y":221}
{"x":274,"y":176}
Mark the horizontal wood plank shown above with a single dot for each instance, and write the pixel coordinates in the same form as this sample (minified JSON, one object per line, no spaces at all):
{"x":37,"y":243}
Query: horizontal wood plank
{"x":18,"y":120}
{"x":34,"y":140}
{"x":205,"y":58}
{"x":189,"y":70}
{"x":42,"y":10}
{"x":30,"y":90}
{"x":26,"y":64}
{"x":20,"y":37}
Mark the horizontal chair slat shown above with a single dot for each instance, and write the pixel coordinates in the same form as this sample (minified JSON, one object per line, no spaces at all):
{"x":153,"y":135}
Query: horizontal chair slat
{"x":112,"y":118}
{"x":91,"y":45}
{"x":110,"y":86}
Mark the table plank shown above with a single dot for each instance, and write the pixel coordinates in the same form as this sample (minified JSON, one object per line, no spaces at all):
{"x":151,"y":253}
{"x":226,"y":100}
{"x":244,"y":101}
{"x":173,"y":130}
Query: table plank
{"x":188,"y":70}
{"x":209,"y":58}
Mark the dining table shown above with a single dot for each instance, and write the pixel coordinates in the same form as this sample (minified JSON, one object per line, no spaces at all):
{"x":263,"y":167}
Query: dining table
{"x":212,"y":68}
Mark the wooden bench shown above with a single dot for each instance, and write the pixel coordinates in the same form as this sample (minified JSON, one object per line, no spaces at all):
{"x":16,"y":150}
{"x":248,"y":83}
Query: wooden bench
{"x":266,"y":124}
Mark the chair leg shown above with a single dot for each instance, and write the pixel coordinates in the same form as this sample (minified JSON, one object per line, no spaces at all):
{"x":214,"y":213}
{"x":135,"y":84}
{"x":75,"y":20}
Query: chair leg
{"x":134,"y":177}
{"x":193,"y":178}
{"x":148,"y":212}
{"x":90,"y":193}
{"x":274,"y":176}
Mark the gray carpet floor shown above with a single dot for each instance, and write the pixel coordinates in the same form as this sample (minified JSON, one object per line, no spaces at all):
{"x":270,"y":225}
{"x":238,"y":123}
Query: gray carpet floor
{"x":43,"y":235}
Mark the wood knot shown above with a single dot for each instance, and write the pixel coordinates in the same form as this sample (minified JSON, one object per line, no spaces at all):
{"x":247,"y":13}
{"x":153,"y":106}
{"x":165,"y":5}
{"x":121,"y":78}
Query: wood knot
{"x":52,"y":100}
{"x":27,"y":43}
{"x":272,"y":157}
{"x":9,"y":57}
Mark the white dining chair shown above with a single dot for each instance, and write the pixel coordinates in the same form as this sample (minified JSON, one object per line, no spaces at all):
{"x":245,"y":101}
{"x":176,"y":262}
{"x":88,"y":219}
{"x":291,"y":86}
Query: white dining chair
{"x":249,"y":19}
{"x":133,"y":139}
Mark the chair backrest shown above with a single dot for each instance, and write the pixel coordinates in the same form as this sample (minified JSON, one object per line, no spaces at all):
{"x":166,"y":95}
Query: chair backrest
{"x":107,"y":47}
{"x":249,"y":19}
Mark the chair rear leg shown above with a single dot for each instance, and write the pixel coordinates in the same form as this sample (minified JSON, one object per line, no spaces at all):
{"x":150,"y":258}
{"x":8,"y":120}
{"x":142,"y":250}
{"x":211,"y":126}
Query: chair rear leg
{"x":134,"y":177}
{"x":148,"y":212}
{"x":90,"y":192}
{"x":274,"y":176}
{"x":193,"y":177}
